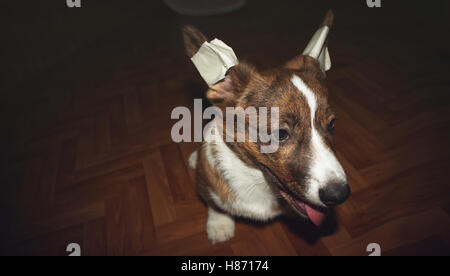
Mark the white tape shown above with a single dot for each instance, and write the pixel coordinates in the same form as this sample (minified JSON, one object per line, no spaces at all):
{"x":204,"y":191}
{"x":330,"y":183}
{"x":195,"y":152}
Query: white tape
{"x":213,"y":60}
{"x":317,"y":49}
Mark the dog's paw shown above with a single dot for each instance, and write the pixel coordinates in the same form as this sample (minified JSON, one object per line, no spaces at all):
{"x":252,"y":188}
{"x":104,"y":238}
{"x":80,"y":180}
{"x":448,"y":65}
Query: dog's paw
{"x":220,"y":227}
{"x":193,"y":160}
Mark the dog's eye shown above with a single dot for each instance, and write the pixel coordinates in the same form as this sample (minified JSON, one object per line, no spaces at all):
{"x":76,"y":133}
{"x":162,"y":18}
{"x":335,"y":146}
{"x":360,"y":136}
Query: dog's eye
{"x":330,"y":126}
{"x":281,"y":135}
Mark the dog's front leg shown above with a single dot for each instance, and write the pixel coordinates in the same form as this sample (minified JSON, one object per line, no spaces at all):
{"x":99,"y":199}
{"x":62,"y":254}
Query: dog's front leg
{"x":220,"y":226}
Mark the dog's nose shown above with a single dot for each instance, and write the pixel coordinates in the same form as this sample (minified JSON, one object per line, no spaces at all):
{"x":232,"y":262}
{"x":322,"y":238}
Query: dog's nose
{"x":334,"y":193}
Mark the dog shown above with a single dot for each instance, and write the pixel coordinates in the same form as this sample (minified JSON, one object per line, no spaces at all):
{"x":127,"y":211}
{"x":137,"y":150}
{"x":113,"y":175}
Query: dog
{"x":303,"y":177}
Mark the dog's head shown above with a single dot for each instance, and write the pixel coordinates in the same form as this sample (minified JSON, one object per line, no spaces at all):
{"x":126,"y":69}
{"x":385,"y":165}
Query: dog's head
{"x":304,"y":170}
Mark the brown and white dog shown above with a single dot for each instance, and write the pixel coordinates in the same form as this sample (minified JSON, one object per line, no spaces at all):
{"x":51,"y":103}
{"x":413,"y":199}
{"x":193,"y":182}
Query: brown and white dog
{"x":304,"y":176}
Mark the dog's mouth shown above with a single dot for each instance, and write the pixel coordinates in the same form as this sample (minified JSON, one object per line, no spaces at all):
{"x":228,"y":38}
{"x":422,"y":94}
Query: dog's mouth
{"x":315,"y":214}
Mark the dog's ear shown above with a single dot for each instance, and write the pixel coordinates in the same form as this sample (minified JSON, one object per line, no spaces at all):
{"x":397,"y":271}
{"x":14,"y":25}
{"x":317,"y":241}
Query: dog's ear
{"x":227,"y":91}
{"x":193,"y":39}
{"x":317,"y":47}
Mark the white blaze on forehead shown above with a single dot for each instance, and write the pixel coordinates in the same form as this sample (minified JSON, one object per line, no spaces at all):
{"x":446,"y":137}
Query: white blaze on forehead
{"x":324,"y":165}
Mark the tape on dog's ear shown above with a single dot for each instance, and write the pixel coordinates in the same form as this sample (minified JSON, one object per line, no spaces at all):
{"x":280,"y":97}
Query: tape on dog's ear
{"x":317,"y":48}
{"x":213,"y":60}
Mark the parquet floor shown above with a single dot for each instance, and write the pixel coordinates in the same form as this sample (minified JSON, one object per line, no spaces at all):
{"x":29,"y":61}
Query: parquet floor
{"x":88,"y":159}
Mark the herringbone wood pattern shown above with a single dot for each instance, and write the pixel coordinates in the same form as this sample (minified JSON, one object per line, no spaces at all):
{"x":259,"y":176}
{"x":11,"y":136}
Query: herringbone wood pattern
{"x":88,"y":156}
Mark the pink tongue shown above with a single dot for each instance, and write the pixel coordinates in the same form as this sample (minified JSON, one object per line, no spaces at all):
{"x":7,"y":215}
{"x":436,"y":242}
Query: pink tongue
{"x":315,"y":216}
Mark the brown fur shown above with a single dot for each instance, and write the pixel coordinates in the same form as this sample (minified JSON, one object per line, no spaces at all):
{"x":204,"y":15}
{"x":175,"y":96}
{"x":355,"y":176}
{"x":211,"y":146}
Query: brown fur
{"x":193,"y":39}
{"x":211,"y":177}
{"x":329,"y":18}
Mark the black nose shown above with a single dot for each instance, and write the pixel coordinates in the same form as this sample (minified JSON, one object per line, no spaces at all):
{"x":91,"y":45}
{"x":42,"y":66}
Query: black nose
{"x":334,"y":193}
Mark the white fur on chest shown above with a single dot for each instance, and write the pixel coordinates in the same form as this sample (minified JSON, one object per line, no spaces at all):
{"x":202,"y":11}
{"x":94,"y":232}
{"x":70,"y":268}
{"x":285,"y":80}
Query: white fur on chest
{"x":253,"y":197}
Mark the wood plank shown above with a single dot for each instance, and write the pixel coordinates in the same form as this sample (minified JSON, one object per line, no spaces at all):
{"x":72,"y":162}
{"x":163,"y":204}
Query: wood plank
{"x":399,"y":232}
{"x":181,"y":187}
{"x":159,"y":194}
{"x":94,"y":239}
{"x":129,"y":221}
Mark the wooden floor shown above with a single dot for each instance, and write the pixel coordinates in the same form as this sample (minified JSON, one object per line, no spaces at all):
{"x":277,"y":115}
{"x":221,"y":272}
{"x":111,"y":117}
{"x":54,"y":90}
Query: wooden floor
{"x":88,"y":159}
